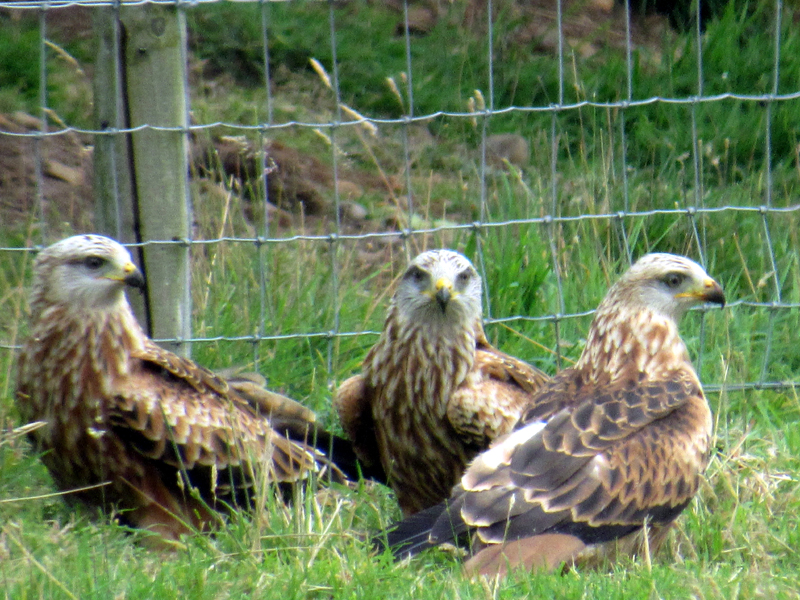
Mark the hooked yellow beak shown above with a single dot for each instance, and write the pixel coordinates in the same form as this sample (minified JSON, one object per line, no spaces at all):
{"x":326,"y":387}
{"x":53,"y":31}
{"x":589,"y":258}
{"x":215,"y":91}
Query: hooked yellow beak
{"x":444,"y":291}
{"x":709,"y":291}
{"x":129,"y":274}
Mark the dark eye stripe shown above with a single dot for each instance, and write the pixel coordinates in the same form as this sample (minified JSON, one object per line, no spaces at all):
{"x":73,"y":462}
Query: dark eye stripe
{"x":414,"y":273}
{"x":93,"y":262}
{"x":465,"y":275}
{"x":673,"y":280}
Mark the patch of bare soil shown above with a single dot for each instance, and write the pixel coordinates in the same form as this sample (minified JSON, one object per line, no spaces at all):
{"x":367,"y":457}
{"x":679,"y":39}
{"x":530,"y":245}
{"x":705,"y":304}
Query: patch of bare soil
{"x":300,"y":186}
{"x":296,"y":182}
{"x":586,"y":25}
{"x":65,"y":166}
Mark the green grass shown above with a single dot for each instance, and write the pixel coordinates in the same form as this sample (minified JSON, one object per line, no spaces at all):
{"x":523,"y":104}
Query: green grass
{"x":738,"y":539}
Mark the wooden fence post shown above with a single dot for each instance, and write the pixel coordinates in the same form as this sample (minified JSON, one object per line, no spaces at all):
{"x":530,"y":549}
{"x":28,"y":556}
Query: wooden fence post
{"x":141,"y":178}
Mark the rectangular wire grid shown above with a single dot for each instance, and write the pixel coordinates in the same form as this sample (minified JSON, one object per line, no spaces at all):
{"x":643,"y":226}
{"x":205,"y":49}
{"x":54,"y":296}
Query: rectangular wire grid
{"x":694,"y":211}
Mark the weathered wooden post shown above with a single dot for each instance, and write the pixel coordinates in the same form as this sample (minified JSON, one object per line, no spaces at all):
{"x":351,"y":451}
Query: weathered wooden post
{"x":141,"y":177}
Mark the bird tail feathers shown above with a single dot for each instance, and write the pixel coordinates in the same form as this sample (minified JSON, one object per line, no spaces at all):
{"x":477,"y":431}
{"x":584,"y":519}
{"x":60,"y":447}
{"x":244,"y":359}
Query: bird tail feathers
{"x":413,"y":534}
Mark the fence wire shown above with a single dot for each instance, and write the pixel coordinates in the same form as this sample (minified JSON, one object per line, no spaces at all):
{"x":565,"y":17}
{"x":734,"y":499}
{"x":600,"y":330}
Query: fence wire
{"x":693,"y":212}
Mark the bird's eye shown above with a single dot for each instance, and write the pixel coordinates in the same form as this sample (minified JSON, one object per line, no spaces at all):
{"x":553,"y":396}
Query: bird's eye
{"x":93,"y":262}
{"x":415,"y":274}
{"x":464,"y":277}
{"x":673,"y":280}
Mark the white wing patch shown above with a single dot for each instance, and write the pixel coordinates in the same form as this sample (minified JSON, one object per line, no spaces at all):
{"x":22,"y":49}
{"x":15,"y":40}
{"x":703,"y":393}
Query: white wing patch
{"x":500,"y":453}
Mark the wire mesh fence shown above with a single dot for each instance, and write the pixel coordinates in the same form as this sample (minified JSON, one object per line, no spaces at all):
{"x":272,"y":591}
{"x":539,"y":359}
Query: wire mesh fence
{"x":553,"y":142}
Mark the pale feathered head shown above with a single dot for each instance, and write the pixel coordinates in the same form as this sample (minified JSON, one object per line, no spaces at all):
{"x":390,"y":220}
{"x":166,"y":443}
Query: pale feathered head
{"x":83,"y":272}
{"x":666,"y":284}
{"x":440,"y":287}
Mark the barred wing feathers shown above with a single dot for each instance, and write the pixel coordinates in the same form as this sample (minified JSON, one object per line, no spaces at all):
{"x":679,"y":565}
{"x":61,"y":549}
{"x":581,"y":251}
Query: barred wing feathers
{"x":171,"y":409}
{"x":592,"y":471}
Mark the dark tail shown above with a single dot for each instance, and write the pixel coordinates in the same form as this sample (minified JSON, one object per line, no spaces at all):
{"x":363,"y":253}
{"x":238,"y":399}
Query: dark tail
{"x":412,"y":535}
{"x":297,"y":423}
{"x":337,"y":449}
{"x":409,"y":536}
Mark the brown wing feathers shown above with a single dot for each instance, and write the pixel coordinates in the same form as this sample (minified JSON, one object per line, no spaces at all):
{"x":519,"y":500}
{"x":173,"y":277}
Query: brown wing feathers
{"x":573,"y":437}
{"x":500,"y":366}
{"x":227,"y":419}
